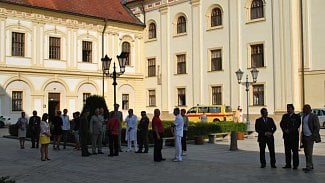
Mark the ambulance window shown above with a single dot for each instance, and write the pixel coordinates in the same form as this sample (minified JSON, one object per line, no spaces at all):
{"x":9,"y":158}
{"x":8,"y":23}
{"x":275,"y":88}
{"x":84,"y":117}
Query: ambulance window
{"x":192,"y":110}
{"x":203,"y":109}
{"x":228,"y":109}
{"x":214,"y":109}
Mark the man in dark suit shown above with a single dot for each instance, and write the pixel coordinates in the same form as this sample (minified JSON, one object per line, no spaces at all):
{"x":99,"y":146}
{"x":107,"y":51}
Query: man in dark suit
{"x":34,"y":125}
{"x":265,"y":127}
{"x":310,"y":134}
{"x":290,"y":124}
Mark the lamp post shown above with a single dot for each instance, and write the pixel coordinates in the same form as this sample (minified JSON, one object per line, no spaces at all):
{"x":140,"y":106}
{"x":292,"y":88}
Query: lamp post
{"x":239,"y":75}
{"x":106,"y":62}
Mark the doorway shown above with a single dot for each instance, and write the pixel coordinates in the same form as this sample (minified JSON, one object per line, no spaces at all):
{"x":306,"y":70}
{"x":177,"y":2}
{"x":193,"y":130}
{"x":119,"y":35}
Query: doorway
{"x":54,"y":104}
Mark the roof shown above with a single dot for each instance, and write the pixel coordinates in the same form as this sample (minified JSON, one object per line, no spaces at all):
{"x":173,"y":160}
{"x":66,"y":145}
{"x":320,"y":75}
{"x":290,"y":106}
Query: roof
{"x":103,"y":9}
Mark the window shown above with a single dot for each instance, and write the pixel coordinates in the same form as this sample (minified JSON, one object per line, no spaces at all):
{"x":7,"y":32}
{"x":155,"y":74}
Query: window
{"x":127,"y":48}
{"x":181,"y":25}
{"x":18,"y":44}
{"x":257,"y":10}
{"x":258,"y":95}
{"x":181,"y":97}
{"x":216,"y":95}
{"x":152,"y":97}
{"x":125,"y":101}
{"x":55,"y":45}
{"x":84,"y":97}
{"x":257,"y":55}
{"x":17,"y":101}
{"x":216,"y":17}
{"x":151,"y":67}
{"x":152,"y":31}
{"x":86,"y":51}
{"x":216,"y":60}
{"x":181,"y":64}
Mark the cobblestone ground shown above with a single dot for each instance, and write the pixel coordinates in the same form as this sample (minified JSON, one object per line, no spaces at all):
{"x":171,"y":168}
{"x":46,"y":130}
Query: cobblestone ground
{"x":204,"y":163}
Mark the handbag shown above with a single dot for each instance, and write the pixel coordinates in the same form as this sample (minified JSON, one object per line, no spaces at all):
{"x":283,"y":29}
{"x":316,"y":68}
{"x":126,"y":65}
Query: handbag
{"x":44,"y":139}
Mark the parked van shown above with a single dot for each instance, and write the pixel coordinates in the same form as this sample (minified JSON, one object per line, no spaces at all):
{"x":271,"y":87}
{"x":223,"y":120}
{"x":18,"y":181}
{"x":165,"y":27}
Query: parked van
{"x":214,"y":113}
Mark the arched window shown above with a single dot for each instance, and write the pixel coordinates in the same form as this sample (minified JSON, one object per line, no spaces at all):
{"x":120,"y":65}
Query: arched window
{"x":181,"y":25}
{"x":152,"y":30}
{"x":216,"y":17}
{"x":257,"y":9}
{"x":127,"y":48}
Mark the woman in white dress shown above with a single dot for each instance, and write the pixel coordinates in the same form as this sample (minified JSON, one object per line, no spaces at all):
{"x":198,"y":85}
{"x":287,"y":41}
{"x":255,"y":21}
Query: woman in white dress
{"x":22,"y":128}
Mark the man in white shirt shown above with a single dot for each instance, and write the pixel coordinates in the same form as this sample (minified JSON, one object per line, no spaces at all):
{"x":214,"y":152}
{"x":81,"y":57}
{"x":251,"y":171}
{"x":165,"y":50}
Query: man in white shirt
{"x":131,"y":130}
{"x":65,"y":127}
{"x":178,"y":132}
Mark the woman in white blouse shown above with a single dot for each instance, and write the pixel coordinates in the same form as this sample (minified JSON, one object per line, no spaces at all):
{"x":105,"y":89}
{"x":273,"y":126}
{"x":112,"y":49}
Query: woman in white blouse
{"x":45,"y":134}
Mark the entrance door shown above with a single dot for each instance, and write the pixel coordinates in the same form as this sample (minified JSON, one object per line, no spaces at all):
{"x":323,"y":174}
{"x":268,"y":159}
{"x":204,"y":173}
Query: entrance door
{"x":54,"y":104}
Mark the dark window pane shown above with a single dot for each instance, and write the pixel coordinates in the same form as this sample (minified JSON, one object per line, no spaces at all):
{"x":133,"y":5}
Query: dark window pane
{"x":181,"y":97}
{"x":151,"y":67}
{"x":257,"y":9}
{"x":152,"y":31}
{"x":216,"y":60}
{"x":181,"y":64}
{"x":54,"y":48}
{"x":152,"y":97}
{"x":257,"y":55}
{"x":125,"y":101}
{"x":18,"y":44}
{"x":126,"y":47}
{"x":86,"y":51}
{"x":216,"y":17}
{"x":84,"y":97}
{"x":258,"y":95}
{"x":17,"y":101}
{"x":181,"y":25}
{"x":216,"y":95}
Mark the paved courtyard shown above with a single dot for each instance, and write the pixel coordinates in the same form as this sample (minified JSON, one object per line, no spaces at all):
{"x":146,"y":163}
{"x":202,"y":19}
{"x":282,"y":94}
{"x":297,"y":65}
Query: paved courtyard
{"x":204,"y":163}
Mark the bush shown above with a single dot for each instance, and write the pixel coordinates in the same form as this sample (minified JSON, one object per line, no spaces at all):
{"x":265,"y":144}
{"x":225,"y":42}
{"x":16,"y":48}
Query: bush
{"x":6,"y":179}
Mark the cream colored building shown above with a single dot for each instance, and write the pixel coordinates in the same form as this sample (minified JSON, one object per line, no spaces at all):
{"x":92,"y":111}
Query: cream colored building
{"x":193,"y":48}
{"x":50,"y":58}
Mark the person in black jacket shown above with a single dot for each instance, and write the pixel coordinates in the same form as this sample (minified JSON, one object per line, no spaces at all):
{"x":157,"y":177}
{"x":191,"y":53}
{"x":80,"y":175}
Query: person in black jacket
{"x":35,"y":127}
{"x":265,"y":127}
{"x":290,"y":124}
{"x":143,"y":133}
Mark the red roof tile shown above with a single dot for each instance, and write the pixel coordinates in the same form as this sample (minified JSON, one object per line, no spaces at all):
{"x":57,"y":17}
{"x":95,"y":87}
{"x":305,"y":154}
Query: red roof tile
{"x":105,"y":9}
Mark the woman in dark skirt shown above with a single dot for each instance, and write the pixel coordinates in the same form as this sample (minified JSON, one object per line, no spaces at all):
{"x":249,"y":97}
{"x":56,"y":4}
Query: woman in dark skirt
{"x":57,"y":130}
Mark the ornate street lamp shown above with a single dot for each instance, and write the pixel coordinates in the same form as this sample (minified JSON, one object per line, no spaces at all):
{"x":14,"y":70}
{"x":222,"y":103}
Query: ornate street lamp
{"x":239,"y":75}
{"x":106,"y":62}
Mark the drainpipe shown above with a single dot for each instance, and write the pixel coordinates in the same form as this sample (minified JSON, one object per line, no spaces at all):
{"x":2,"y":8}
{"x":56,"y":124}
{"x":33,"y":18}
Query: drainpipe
{"x":103,"y":53}
{"x":302,"y":54}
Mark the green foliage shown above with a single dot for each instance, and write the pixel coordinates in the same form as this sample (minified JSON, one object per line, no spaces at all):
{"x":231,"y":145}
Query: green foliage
{"x":6,"y":180}
{"x":93,"y":102}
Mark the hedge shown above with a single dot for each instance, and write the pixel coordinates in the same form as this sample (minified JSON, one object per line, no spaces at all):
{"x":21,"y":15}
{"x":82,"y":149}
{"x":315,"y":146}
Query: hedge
{"x":194,"y":129}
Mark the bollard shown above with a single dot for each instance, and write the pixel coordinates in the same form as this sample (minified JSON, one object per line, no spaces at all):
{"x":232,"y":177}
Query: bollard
{"x":233,"y":141}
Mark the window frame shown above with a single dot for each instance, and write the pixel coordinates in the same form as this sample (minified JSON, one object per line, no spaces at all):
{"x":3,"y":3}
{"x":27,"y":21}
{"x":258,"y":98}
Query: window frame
{"x":87,"y":50}
{"x":151,"y":67}
{"x":259,"y":95}
{"x":257,"y":58}
{"x":181,"y":64}
{"x":216,"y":17}
{"x":257,"y":9}
{"x":152,"y":31}
{"x":18,"y":44}
{"x":152,"y":98}
{"x":181,"y":96}
{"x":125,"y":101}
{"x":17,"y":101}
{"x":216,"y":94}
{"x":126,"y":47}
{"x":181,"y":25}
{"x":84,"y":97}
{"x":214,"y":67}
{"x":54,"y":48}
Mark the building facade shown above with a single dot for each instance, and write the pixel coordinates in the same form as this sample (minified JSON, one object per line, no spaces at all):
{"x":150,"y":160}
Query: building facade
{"x":192,"y":49}
{"x":50,"y":55}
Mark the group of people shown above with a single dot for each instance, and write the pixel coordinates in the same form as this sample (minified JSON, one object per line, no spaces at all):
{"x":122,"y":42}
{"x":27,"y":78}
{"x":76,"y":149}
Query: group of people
{"x":290,"y":125}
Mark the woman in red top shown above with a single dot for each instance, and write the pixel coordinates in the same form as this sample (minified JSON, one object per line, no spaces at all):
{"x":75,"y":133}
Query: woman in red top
{"x":113,"y":129}
{"x":158,"y":131}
